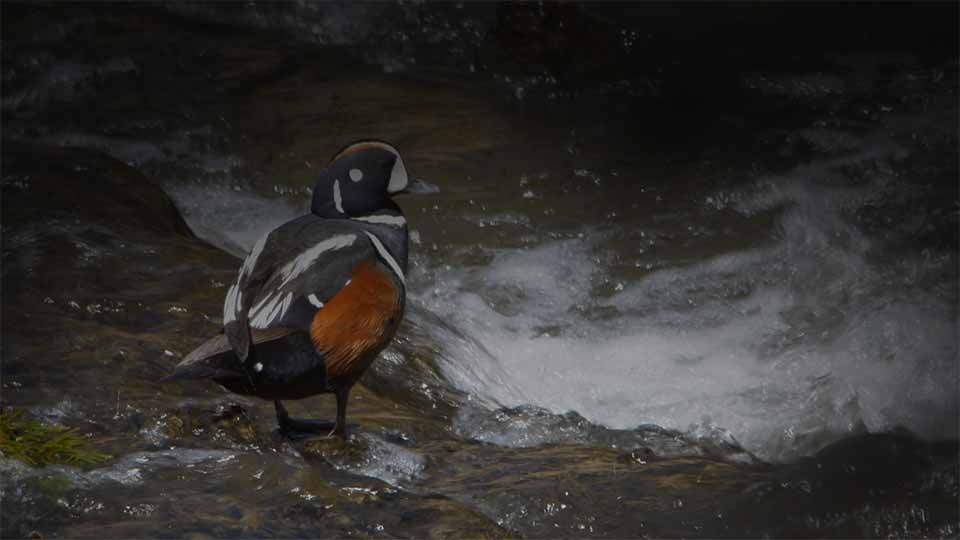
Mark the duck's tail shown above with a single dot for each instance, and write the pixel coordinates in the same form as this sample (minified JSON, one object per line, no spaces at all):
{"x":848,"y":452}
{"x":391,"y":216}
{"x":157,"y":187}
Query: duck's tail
{"x":213,"y":358}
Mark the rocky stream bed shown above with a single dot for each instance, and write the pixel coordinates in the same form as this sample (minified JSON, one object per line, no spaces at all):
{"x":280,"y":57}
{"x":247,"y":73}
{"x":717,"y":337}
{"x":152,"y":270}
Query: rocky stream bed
{"x":142,"y":149}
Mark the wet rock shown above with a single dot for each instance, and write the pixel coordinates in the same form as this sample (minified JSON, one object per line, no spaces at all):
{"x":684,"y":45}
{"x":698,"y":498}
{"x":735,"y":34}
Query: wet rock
{"x":350,"y":451}
{"x":77,"y":184}
{"x":225,"y":423}
{"x":173,"y":427}
{"x":870,"y":485}
{"x":302,"y":514}
{"x":235,"y":420}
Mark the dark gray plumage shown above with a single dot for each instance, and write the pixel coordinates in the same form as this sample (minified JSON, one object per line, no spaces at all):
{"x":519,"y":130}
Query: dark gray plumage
{"x":280,"y":338}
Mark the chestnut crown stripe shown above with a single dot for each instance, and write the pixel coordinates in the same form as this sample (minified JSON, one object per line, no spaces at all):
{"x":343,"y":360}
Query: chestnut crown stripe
{"x":398,"y":176}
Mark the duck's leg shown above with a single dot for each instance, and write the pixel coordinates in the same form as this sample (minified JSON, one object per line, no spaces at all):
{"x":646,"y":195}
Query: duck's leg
{"x":296,"y":429}
{"x":283,"y":419}
{"x":340,"y":428}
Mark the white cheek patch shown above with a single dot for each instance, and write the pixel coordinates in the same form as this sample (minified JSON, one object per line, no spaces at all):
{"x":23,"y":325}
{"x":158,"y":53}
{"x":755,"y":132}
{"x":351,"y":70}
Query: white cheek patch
{"x":356,"y":175}
{"x":398,"y":176}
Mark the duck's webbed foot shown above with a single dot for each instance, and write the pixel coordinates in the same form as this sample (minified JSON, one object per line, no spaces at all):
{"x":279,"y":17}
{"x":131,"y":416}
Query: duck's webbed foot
{"x":293,"y":428}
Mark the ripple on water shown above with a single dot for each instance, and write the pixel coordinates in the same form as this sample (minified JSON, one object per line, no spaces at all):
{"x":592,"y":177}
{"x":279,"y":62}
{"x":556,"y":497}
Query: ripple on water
{"x":371,"y":455}
{"x":129,"y":470}
{"x":530,"y":426}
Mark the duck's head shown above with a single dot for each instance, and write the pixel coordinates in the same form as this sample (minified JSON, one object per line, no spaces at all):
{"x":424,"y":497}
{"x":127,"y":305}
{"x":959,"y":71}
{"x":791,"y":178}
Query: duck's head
{"x":360,"y":179}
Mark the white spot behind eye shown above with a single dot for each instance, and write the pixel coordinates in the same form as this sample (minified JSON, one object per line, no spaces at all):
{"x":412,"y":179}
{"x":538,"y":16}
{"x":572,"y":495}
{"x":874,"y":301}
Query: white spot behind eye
{"x":258,"y":367}
{"x":356,"y":175}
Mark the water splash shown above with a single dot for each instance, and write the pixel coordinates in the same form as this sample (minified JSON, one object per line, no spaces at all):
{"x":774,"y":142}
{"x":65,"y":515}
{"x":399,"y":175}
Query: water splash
{"x":784,"y":347}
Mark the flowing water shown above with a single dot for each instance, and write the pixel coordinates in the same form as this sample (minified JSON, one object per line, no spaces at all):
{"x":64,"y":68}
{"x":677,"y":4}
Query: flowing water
{"x":752,"y":277}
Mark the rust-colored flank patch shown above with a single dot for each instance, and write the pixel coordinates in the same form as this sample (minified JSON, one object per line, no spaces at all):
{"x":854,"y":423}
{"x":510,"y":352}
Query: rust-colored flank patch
{"x":355,"y":324}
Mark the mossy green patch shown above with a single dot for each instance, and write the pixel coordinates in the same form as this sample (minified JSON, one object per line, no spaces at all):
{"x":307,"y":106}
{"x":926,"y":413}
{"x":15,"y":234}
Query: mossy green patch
{"x":39,"y":444}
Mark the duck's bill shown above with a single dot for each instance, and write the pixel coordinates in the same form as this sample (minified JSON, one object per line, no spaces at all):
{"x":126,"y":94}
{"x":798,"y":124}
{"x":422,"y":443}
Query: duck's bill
{"x":415,"y":185}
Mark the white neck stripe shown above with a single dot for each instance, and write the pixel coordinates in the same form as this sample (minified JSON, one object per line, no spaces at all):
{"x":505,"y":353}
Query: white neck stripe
{"x":386,"y":256}
{"x":398,"y":221}
{"x":337,"y":199}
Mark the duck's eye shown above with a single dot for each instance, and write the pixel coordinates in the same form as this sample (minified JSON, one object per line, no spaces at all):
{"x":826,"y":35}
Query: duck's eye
{"x":356,"y":175}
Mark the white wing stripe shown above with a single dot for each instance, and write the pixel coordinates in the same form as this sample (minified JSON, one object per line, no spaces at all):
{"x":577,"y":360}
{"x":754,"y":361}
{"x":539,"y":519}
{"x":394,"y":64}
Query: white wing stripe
{"x":230,"y":305}
{"x":308,"y":257}
{"x":253,"y":311}
{"x":233,"y":303}
{"x":274,"y":306}
{"x":263,"y":319}
{"x":262,"y":315}
{"x":386,"y":256}
{"x":251,"y":259}
{"x":315,"y":301}
{"x":269,"y":319}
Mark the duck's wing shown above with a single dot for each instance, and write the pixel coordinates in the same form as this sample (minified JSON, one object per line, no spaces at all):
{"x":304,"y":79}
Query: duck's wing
{"x":292,"y":274}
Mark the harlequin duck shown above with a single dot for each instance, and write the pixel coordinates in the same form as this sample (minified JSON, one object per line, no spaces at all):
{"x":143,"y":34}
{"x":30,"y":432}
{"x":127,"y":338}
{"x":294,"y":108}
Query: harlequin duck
{"x":320,"y":296}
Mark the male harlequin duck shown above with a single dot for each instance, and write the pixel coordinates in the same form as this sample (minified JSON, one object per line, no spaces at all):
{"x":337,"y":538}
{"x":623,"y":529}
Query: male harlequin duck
{"x":320,"y":296}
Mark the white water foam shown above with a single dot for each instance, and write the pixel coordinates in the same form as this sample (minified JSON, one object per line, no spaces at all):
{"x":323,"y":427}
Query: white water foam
{"x":229,"y":218}
{"x":785,"y":348}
